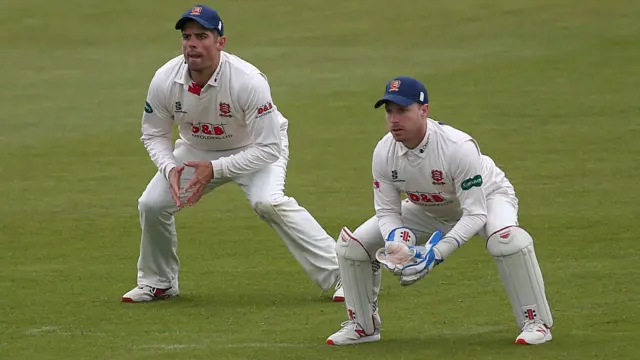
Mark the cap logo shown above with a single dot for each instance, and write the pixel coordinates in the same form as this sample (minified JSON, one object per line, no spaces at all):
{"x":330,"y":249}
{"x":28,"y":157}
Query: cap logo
{"x":196,"y":10}
{"x":421,"y":96}
{"x":395,"y":85}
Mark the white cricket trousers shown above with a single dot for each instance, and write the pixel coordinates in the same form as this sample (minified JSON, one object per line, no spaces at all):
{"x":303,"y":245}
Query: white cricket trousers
{"x":308,"y":242}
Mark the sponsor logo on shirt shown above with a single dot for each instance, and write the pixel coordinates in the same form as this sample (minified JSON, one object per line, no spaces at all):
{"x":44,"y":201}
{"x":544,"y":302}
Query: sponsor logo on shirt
{"x":147,"y":108}
{"x":265,"y":109}
{"x":427,"y":199}
{"x":471,"y":182}
{"x":210,"y":131}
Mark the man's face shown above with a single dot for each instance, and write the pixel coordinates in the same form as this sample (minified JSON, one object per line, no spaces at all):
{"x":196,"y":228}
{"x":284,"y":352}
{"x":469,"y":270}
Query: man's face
{"x":406,"y":123}
{"x":201,"y":47}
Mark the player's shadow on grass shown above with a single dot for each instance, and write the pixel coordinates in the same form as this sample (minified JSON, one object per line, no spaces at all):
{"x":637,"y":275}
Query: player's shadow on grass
{"x":246,"y":298}
{"x":441,"y":345}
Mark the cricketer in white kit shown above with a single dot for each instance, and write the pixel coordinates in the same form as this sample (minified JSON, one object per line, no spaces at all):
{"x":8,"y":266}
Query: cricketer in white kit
{"x":230,"y":131}
{"x":453,"y":192}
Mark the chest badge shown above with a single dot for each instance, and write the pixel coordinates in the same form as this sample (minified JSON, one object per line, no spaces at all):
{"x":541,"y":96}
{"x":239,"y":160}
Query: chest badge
{"x":437,"y":176}
{"x":225,"y":110}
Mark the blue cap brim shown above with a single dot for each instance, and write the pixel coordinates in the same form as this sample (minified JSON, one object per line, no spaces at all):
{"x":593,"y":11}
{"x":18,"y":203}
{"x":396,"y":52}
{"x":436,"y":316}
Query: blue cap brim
{"x":400,"y":100}
{"x":184,"y":19}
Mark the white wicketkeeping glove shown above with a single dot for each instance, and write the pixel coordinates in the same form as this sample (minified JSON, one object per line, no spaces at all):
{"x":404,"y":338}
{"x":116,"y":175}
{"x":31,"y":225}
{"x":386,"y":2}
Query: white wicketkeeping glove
{"x":410,"y":262}
{"x":397,"y":250}
{"x":426,"y":258}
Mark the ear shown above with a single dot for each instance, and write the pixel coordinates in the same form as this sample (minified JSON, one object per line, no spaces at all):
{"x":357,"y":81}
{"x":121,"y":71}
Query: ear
{"x":221,"y":42}
{"x":424,"y":110}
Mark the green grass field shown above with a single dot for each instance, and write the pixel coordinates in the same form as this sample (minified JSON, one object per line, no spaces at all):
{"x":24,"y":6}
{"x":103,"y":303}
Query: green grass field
{"x":548,"y":87}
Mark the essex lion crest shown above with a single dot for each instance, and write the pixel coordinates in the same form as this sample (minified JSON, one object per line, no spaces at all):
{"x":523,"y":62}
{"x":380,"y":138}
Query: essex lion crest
{"x":437,"y":176}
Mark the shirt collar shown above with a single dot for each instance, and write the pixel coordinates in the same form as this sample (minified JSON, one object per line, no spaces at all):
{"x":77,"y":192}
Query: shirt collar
{"x":182,"y":76}
{"x":421,"y":149}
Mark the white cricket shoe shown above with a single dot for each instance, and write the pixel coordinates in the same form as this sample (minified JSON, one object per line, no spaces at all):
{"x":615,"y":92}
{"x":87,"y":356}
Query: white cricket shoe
{"x":338,"y":296}
{"x":534,"y":332}
{"x":352,"y":333}
{"x":145,"y":293}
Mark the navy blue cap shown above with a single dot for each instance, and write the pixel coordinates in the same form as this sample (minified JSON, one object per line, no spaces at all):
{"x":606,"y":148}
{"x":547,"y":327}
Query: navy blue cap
{"x":204,"y":15}
{"x":404,"y":91}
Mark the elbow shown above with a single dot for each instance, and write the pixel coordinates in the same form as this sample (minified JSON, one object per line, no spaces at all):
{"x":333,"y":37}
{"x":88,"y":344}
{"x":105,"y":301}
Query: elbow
{"x":147,"y":140}
{"x":483,"y":219}
{"x":388,"y":217}
{"x":147,"y":137}
{"x":480,"y":218}
{"x":271,"y":152}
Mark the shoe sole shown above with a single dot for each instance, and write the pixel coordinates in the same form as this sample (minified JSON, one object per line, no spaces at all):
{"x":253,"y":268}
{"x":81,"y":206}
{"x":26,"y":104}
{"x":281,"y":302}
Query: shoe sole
{"x":362,"y":340}
{"x":130,"y":300}
{"x":524,"y":342}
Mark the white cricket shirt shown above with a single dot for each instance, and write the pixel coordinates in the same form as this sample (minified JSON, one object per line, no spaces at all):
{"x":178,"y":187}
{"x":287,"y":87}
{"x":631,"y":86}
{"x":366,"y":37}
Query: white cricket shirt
{"x":233,"y":110}
{"x":446,"y":174}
